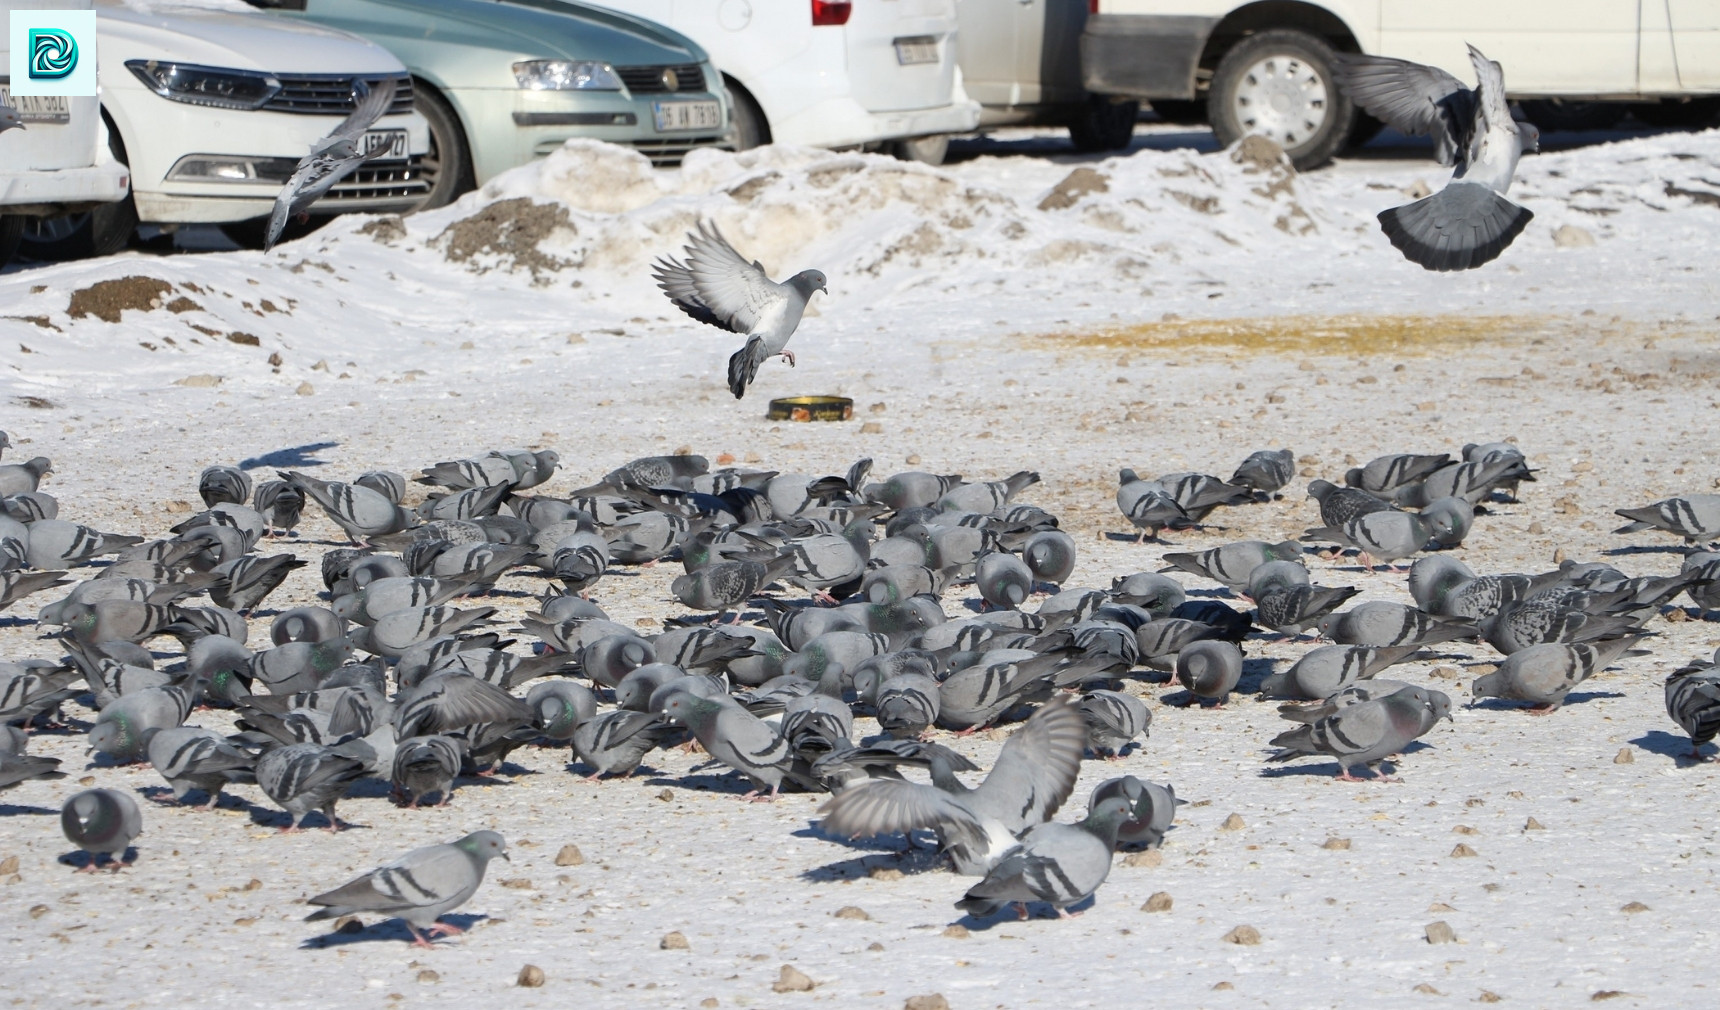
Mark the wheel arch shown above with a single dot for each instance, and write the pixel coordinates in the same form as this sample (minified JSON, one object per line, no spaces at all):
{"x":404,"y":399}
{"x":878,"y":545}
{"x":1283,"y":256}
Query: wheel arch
{"x":1269,"y":14}
{"x":739,"y":90}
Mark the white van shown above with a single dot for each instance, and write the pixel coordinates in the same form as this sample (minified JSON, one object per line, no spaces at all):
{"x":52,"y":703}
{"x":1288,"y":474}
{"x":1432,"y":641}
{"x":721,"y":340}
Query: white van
{"x":59,"y":161}
{"x":831,"y":73}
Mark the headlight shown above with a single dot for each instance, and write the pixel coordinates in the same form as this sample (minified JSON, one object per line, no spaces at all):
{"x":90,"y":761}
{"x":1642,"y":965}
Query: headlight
{"x":223,"y":89}
{"x":566,"y":75}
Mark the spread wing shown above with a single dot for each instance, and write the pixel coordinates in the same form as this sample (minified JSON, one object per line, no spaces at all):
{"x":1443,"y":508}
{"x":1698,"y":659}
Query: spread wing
{"x":372,"y":104}
{"x":1036,"y":769}
{"x":1413,"y":99}
{"x":716,"y":285}
{"x":1489,"y":93}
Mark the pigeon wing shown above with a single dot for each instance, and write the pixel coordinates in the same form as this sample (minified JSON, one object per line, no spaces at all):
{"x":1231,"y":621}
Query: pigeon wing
{"x":716,"y":285}
{"x":1036,"y":769}
{"x":1412,"y":98}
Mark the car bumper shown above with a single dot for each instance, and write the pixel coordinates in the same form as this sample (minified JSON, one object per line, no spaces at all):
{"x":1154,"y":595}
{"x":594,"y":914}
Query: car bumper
{"x":1143,"y":55}
{"x":843,"y":122}
{"x":62,"y":190}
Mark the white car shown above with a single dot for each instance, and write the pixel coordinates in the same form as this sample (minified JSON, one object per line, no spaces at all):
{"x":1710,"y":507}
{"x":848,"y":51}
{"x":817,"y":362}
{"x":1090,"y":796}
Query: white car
{"x":58,"y":161}
{"x":211,"y":108}
{"x":831,"y":73}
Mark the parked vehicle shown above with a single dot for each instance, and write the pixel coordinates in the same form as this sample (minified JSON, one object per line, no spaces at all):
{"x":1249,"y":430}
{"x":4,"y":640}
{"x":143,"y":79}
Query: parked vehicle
{"x":831,"y":73}
{"x":505,"y":81}
{"x":58,"y":162}
{"x":1021,"y":60}
{"x":213,"y":108}
{"x":1265,"y":67}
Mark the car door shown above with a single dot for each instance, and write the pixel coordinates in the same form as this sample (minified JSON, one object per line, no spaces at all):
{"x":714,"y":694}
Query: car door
{"x":1696,"y":43}
{"x":900,"y":55}
{"x":985,"y":44}
{"x":1048,"y":50}
{"x":1547,"y":47}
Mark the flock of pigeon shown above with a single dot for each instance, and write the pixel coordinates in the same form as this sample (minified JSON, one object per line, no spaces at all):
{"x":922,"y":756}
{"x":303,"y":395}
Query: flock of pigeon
{"x":396,"y":678}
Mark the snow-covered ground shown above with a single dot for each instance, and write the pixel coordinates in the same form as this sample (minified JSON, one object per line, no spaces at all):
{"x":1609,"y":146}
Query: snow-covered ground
{"x":1167,"y":310}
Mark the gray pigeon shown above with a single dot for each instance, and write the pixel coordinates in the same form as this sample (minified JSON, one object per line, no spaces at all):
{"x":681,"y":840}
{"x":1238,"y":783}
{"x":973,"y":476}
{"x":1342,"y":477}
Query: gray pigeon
{"x":121,"y":730}
{"x":1358,"y":694}
{"x":14,"y":586}
{"x":1148,"y":505}
{"x":1061,"y":864}
{"x":190,"y":757}
{"x":1388,"y":536}
{"x":281,"y":502}
{"x":360,"y":511}
{"x":445,"y":702}
{"x":1294,"y":608}
{"x":1445,"y":587}
{"x":1034,"y":773}
{"x":16,"y":767}
{"x":381,"y":597}
{"x":1471,"y":481}
{"x":30,"y":506}
{"x":1693,"y":517}
{"x":56,"y":543}
{"x":1004,"y":580}
{"x":1324,"y":671}
{"x":559,"y":707}
{"x":249,"y":579}
{"x":1338,"y":505}
{"x":332,"y":158}
{"x":394,"y":633}
{"x":1362,"y":734}
{"x":217,"y":484}
{"x":988,"y":496}
{"x":1265,"y":471}
{"x":299,"y":666}
{"x":9,"y":120}
{"x":912,"y":489}
{"x":1050,"y":556}
{"x":1693,"y":701}
{"x":1231,"y":564}
{"x":729,"y":584}
{"x":1385,"y":625}
{"x":1154,"y":807}
{"x":1522,"y":623}
{"x":1210,"y":669}
{"x":1387,"y":473}
{"x":419,"y":887}
{"x":615,"y":742}
{"x":1469,"y":222}
{"x":102,"y":822}
{"x":1704,"y":591}
{"x":1114,"y":720}
{"x":717,"y":286}
{"x":302,"y":777}
{"x":425,"y":765}
{"x":1489,"y":452}
{"x":1543,"y":674}
{"x":736,"y":738}
{"x":22,"y":478}
{"x":907,"y":705}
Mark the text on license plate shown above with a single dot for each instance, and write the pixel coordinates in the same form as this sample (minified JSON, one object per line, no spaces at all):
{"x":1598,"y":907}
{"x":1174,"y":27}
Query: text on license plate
{"x":687,"y":115}
{"x":38,"y":108}
{"x":913,"y":49}
{"x":394,"y":141}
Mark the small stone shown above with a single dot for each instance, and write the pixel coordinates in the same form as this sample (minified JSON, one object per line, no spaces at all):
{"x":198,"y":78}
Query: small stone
{"x":1146,"y":857}
{"x":1571,"y":236}
{"x":275,"y":359}
{"x":178,"y":506}
{"x":913,"y":459}
{"x":1336,"y":844}
{"x":1606,"y":994}
{"x":428,"y":976}
{"x":248,"y":921}
{"x":708,"y":1002}
{"x":1159,"y":901}
{"x":1677,"y":615}
{"x":517,"y":883}
{"x":1440,"y":906}
{"x":666,"y":795}
{"x":752,"y":457}
{"x":683,"y":450}
{"x":199,"y":381}
{"x":1222,"y":987}
{"x":1533,"y":825}
{"x":1232,"y":823}
{"x":1558,"y":555}
{"x":348,"y":924}
{"x":1445,"y":671}
{"x":1463,"y":851}
{"x":931,"y":1001}
{"x":1243,"y":936}
{"x":1536,"y":529}
{"x":1630,"y":909}
{"x":852,"y":912}
{"x":87,"y":780}
{"x":956,"y":931}
{"x":306,"y":389}
{"x":1464,"y":829}
{"x":1624,"y":757}
{"x":871,"y":428}
{"x":569,"y":856}
{"x":37,"y":911}
{"x":1430,"y":990}
{"x":577,"y":338}
{"x":874,"y":946}
{"x":320,"y":366}
{"x":673,"y":941}
{"x":878,"y":408}
{"x":1439,"y":932}
{"x":725,"y":458}
{"x":885,"y":873}
{"x":531,"y":977}
{"x":1489,"y":997}
{"x":8,"y":866}
{"x":791,"y":980}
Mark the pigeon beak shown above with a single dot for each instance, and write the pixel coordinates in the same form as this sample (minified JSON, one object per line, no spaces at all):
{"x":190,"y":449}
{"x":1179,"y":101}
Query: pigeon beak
{"x":507,"y":857}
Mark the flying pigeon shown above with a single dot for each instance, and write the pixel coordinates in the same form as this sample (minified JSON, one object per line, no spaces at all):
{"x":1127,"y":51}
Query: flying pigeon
{"x":419,"y":887}
{"x":332,"y":158}
{"x":1469,"y":222}
{"x":717,"y":286}
{"x":1061,"y":864}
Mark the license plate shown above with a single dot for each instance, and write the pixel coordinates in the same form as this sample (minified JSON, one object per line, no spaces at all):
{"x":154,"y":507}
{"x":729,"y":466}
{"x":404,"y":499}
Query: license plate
{"x":38,"y":108}
{"x":392,"y":141}
{"x":687,"y":115}
{"x":916,"y":49}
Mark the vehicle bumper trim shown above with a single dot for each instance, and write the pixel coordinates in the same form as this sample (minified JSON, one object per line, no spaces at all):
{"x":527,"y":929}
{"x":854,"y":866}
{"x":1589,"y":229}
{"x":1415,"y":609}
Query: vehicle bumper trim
{"x":1143,"y":55}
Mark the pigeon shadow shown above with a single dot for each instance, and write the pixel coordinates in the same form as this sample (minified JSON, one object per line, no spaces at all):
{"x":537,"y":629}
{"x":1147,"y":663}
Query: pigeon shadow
{"x":1615,"y":552}
{"x":81,"y":859}
{"x":14,"y":810}
{"x":298,"y":455}
{"x":386,"y":930}
{"x":1253,"y":672}
{"x":732,"y":784}
{"x":1006,"y":915}
{"x":1676,"y":747}
{"x":1511,"y":705}
{"x":908,"y":863}
{"x":1327,"y":770}
{"x":264,"y":817}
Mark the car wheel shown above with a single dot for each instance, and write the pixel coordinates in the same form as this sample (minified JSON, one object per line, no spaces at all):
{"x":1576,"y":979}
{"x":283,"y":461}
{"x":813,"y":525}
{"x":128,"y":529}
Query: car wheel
{"x":1278,"y":84}
{"x":1180,"y":112}
{"x":751,"y":128}
{"x":448,"y":166}
{"x":99,"y":232}
{"x":11,"y":230}
{"x":1104,"y":124}
{"x":925,"y":150}
{"x":1553,"y":114}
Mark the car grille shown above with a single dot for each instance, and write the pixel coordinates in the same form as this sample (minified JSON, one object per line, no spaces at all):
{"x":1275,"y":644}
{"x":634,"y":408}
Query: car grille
{"x":643,"y":80}
{"x":320,"y":95}
{"x":385,"y":181}
{"x":668,"y":153}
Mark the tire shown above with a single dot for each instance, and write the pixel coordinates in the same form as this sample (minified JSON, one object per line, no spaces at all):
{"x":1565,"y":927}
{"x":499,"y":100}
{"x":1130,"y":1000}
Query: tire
{"x":1104,"y":124}
{"x":11,"y":230}
{"x":1671,"y":113}
{"x":449,"y":163}
{"x":925,"y":150}
{"x":100,"y":232}
{"x":1279,"y":84}
{"x":751,"y":128}
{"x":1190,"y":112}
{"x":1552,"y":114}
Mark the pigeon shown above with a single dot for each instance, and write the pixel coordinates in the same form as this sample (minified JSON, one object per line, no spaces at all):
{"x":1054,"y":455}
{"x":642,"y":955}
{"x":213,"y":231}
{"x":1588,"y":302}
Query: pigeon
{"x":56,"y":543}
{"x":1265,"y":471}
{"x":122,"y":729}
{"x":25,"y":477}
{"x":717,"y":286}
{"x":1034,"y":773}
{"x":14,"y":586}
{"x":729,"y":584}
{"x":1061,"y":864}
{"x":1004,"y":580}
{"x":736,"y":738}
{"x":299,"y":666}
{"x":30,"y":506}
{"x":9,"y":120}
{"x":1050,"y":556}
{"x":1339,"y":505}
{"x":1543,"y":674}
{"x":332,"y":158}
{"x":302,"y":777}
{"x":1491,"y":451}
{"x":912,"y":489}
{"x":249,"y":579}
{"x":1231,"y":564}
{"x":102,"y":822}
{"x":419,"y":887}
{"x":1704,"y":591}
{"x":615,"y":742}
{"x":1324,"y":671}
{"x":1469,"y":222}
{"x":1471,"y":481}
{"x":1522,"y":623}
{"x":1693,"y":701}
{"x":1154,"y":807}
{"x":1210,"y":669}
{"x":360,"y":511}
{"x":1693,"y":517}
{"x":1387,"y":473}
{"x":425,"y":765}
{"x":907,"y":705}
{"x":1362,"y":734}
{"x":1148,"y":505}
{"x":190,"y":757}
{"x":1388,"y":536}
{"x":281,"y":502}
{"x":1385,"y":625}
{"x":559,"y":707}
{"x":445,"y":702}
{"x":988,"y":496}
{"x":16,"y":767}
{"x":1114,"y":720}
{"x":1295,"y":608}
{"x":217,"y":484}
{"x":394,"y":633}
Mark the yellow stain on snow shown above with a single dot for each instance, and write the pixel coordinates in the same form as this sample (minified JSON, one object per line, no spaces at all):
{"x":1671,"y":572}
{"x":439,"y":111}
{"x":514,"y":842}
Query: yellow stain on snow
{"x":1328,"y":335}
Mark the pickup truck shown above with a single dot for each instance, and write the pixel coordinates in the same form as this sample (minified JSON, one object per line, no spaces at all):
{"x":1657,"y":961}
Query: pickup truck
{"x":1265,"y":67}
